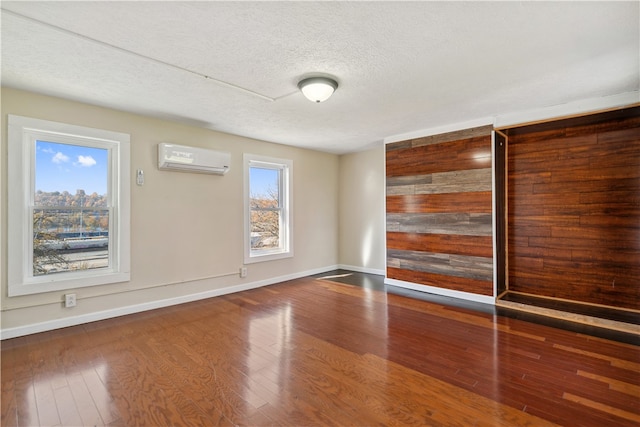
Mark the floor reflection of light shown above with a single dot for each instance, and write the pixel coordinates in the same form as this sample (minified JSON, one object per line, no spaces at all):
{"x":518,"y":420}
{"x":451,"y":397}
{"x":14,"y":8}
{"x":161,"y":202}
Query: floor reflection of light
{"x":336,"y":276}
{"x":81,"y":388}
{"x":270,"y":340}
{"x":369,"y":303}
{"x":496,"y":357}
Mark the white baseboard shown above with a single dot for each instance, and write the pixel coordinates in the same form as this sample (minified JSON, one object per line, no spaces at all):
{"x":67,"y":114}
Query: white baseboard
{"x":151,"y":305}
{"x":440,"y":291}
{"x":362,"y":269}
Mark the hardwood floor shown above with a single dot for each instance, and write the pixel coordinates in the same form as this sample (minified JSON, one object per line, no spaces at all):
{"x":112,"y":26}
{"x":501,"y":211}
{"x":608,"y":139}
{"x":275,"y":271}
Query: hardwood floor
{"x":317,"y":352}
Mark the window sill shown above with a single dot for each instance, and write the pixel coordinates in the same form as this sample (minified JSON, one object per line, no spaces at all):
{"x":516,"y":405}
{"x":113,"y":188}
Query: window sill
{"x":267,"y":256}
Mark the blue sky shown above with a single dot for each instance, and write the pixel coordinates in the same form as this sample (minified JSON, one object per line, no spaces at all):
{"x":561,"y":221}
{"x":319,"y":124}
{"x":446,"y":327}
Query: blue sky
{"x":63,"y":167}
{"x":262,"y":179}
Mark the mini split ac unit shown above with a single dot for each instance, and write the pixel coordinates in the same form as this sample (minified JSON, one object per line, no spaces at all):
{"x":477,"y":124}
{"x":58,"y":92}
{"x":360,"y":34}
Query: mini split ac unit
{"x":192,"y":159}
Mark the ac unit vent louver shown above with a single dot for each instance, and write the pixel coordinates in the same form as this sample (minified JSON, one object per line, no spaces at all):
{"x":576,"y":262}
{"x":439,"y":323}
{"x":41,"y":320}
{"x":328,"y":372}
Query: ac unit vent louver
{"x":192,"y":159}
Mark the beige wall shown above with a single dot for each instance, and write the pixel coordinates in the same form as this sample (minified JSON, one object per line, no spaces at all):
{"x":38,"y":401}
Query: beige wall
{"x":362,"y":210}
{"x":186,"y":229}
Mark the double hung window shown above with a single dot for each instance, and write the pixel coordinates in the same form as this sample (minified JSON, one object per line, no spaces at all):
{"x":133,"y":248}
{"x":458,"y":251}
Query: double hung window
{"x":68,"y":206}
{"x":267,"y":208}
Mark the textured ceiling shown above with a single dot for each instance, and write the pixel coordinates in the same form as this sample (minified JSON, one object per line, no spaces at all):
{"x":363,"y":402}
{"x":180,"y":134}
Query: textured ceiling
{"x":401,"y":66}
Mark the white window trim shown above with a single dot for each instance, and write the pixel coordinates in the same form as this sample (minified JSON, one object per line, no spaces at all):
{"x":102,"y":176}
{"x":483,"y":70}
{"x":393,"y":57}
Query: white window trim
{"x":22,"y":132}
{"x":252,"y":160}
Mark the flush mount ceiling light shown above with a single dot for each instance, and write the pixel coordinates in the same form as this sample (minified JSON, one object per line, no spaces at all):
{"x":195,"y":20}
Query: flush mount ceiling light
{"x":317,"y":89}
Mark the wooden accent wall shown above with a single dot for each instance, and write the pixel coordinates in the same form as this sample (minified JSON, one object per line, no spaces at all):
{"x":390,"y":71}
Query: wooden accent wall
{"x":439,"y":211}
{"x":574,"y":209}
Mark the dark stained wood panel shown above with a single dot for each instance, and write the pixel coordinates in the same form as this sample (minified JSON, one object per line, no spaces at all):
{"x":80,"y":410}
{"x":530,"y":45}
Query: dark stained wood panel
{"x":500,"y":159}
{"x":476,"y":202}
{"x":473,"y":153}
{"x":461,"y":284}
{"x":574,"y":210}
{"x":442,"y":243}
{"x":439,"y":211}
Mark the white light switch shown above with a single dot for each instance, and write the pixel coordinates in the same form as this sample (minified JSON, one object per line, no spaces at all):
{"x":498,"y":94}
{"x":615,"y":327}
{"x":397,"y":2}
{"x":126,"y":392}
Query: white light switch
{"x":140,"y":177}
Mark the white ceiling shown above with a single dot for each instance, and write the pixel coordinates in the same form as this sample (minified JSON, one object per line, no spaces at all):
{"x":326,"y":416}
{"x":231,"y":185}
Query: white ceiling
{"x":401,"y":66}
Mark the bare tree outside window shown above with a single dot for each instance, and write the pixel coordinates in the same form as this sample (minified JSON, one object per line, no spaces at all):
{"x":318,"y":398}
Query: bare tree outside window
{"x":45,"y":255}
{"x":266,"y":209}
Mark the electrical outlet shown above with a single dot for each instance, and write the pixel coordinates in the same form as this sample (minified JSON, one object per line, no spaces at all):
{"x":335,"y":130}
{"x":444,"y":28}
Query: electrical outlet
{"x":243,"y":271}
{"x":69,"y":300}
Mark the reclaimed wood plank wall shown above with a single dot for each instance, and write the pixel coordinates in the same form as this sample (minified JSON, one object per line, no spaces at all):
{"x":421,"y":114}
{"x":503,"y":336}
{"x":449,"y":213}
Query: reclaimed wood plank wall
{"x":439,"y":211}
{"x":574,"y":209}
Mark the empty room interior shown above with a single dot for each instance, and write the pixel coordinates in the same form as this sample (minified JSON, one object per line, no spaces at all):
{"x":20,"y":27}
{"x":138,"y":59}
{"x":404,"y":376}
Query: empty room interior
{"x":320,"y":213}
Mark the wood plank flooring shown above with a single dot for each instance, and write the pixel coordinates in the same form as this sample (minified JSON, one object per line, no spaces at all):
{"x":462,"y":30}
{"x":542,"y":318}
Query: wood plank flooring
{"x":317,"y":352}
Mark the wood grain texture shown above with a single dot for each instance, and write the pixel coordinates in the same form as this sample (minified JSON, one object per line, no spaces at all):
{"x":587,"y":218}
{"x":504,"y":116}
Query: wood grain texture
{"x":446,"y":281}
{"x":574,"y":210}
{"x":500,"y":214}
{"x":469,"y":224}
{"x":315,"y":352}
{"x":466,"y":181}
{"x":471,"y":202}
{"x":471,"y":267}
{"x":441,"y":185}
{"x":442,"y":243}
{"x":473,"y":153}
{"x":442,"y":137}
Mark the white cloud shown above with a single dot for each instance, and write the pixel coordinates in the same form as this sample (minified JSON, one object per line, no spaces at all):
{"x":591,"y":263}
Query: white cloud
{"x":86,"y":161}
{"x":60,"y":158}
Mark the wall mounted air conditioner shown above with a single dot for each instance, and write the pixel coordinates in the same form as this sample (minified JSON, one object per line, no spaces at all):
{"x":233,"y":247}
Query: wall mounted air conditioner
{"x":192,"y":159}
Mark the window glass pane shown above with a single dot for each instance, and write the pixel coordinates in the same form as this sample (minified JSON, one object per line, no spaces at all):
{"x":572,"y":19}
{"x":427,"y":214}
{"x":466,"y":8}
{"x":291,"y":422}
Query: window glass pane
{"x":265,"y":229}
{"x":64,"y":198}
{"x":264,"y":187}
{"x":72,"y":231}
{"x":267,"y":202}
{"x":70,"y":175}
{"x":69,"y":240}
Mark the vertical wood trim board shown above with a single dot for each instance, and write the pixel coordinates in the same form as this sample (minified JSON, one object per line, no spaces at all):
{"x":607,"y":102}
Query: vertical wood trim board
{"x":439,"y":211}
{"x":574,"y":210}
{"x":500,"y":164}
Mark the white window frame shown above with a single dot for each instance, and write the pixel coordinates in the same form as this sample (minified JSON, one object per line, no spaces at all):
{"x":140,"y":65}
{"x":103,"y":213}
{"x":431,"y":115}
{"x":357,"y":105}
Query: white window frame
{"x":23,"y":132}
{"x":285,"y":192}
